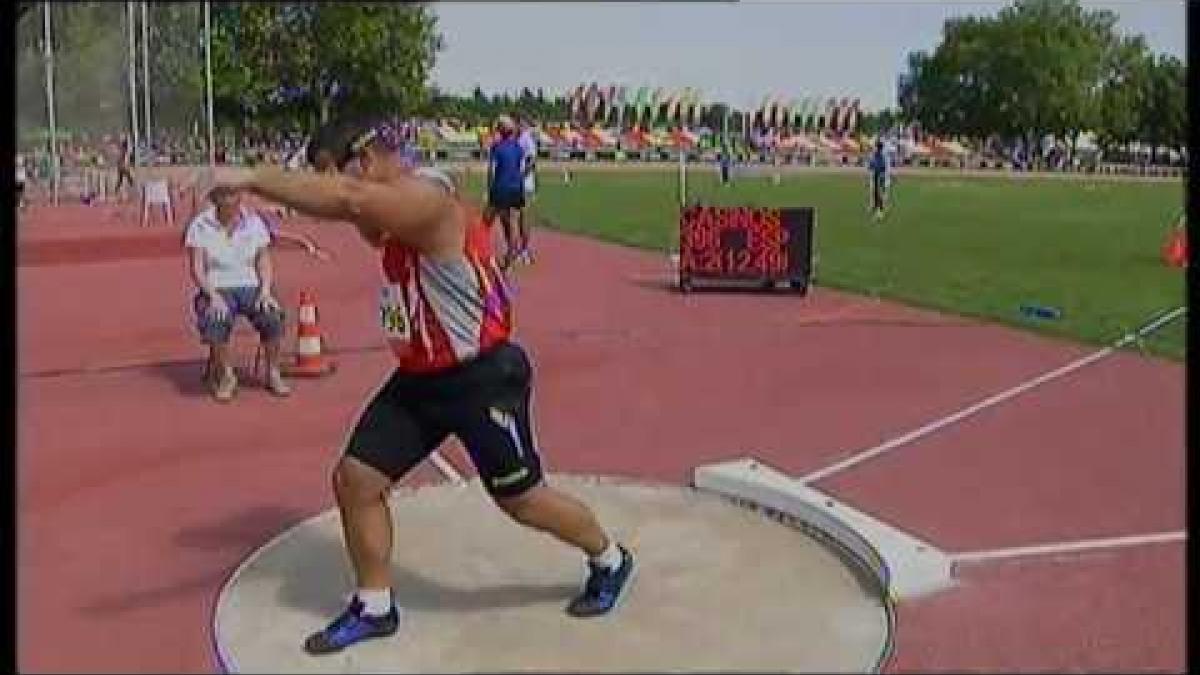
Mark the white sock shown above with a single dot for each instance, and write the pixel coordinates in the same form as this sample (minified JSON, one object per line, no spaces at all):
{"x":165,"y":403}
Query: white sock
{"x":610,"y":557}
{"x":376,"y":601}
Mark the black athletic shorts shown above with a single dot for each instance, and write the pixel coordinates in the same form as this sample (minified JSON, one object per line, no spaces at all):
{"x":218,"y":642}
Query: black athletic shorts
{"x":484,"y":403}
{"x":878,"y":191}
{"x":507,"y":199}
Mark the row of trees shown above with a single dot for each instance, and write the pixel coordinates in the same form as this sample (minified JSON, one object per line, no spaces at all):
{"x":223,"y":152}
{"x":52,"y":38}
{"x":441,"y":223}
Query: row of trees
{"x":275,"y":65}
{"x":301,"y":62}
{"x":480,"y":107}
{"x":1037,"y":67}
{"x":1043,"y":67}
{"x":90,"y":82}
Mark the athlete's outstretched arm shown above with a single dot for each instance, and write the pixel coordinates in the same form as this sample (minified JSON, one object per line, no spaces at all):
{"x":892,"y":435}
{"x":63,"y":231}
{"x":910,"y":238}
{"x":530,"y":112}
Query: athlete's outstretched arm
{"x":403,"y":209}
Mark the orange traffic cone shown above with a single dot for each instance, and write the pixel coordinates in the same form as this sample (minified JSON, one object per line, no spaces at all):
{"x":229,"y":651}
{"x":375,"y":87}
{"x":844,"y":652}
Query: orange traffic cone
{"x":1175,"y":253}
{"x":309,"y":360}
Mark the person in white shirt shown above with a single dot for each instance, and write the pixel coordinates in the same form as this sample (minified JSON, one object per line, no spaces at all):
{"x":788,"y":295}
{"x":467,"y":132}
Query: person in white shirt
{"x":272,"y":217}
{"x":228,"y":250}
{"x":21,"y":177}
{"x":529,"y":145}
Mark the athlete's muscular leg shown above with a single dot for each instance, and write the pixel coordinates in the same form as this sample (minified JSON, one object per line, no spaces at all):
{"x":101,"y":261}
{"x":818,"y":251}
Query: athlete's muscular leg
{"x":559,"y":514}
{"x":361,"y":493}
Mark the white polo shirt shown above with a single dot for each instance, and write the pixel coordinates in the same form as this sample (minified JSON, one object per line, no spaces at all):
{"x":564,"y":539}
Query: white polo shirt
{"x":529,"y":145}
{"x":229,"y":258}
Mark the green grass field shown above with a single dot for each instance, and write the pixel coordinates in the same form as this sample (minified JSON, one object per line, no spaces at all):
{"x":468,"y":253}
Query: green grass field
{"x":979,"y":247}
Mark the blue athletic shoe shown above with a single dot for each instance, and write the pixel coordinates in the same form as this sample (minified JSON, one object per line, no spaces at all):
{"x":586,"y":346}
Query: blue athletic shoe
{"x":351,"y":627}
{"x":604,"y":588}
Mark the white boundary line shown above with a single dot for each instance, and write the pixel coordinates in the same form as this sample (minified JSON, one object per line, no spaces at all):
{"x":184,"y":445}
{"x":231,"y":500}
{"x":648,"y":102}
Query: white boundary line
{"x":446,"y":468}
{"x":906,"y":566}
{"x":1069,"y":547}
{"x":964,"y":413}
{"x":225,"y":660}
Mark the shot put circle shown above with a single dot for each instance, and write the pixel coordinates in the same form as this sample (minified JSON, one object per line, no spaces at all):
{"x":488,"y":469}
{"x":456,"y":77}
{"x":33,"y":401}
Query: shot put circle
{"x":719,"y":587}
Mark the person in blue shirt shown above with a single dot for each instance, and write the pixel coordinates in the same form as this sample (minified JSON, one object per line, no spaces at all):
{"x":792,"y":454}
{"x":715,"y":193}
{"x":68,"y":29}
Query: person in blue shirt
{"x":880,"y":179}
{"x":506,"y":186}
{"x":726,"y":161}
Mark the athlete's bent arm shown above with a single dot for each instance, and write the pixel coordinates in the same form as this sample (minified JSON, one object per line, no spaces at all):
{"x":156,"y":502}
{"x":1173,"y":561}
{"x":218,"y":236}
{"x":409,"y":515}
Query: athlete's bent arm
{"x":403,"y":209}
{"x":303,"y":241}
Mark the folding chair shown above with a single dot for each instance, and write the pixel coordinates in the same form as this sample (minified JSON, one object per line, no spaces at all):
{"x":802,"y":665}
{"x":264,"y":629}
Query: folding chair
{"x":157,"y":192}
{"x":241,"y":333}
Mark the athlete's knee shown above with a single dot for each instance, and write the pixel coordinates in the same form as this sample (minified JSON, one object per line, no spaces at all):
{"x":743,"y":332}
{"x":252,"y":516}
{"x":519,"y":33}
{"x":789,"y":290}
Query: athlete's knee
{"x":355,"y":483}
{"x":526,"y":507}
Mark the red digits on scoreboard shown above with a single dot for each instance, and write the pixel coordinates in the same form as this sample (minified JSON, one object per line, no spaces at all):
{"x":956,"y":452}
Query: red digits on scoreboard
{"x":700,"y":238}
{"x":758,"y":240}
{"x":765,"y":251}
{"x":773,"y":225}
{"x":701,"y":241}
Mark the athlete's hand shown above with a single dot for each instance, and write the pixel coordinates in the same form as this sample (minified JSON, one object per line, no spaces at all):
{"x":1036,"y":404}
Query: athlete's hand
{"x":217,"y":309}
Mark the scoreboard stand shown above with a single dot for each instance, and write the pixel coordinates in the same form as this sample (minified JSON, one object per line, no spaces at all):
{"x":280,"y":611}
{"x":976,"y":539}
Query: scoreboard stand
{"x":742,"y":246}
{"x":688,"y":283}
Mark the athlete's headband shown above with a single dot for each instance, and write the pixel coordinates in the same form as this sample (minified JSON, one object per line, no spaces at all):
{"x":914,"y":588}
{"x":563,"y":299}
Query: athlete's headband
{"x":356,"y":146}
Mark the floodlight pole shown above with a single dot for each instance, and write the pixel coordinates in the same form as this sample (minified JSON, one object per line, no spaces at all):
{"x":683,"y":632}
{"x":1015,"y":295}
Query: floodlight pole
{"x":208,"y":81}
{"x":146,"y":71}
{"x":48,"y":51}
{"x":133,"y":98}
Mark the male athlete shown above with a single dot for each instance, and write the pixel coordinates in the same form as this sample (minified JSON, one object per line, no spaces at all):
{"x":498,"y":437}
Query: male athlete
{"x":880,"y":179}
{"x":506,"y":187}
{"x":447,"y":317}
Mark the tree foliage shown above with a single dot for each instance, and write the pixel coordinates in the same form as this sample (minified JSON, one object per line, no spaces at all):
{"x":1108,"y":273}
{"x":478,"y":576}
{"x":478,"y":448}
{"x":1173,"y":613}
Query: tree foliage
{"x":307,"y":61}
{"x":88,"y":42}
{"x":1043,"y":67}
{"x":1034,"y":68}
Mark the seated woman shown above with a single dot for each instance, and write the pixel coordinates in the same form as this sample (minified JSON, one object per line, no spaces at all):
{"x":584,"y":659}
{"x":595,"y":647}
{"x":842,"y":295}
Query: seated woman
{"x":271,"y":215}
{"x":228,"y":250}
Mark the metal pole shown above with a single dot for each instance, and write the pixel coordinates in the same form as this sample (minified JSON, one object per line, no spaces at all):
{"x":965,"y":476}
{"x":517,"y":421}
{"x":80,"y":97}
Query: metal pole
{"x":146,"y":70}
{"x":133,"y":99}
{"x":212,"y":150}
{"x":48,"y":50}
{"x":682,"y":173}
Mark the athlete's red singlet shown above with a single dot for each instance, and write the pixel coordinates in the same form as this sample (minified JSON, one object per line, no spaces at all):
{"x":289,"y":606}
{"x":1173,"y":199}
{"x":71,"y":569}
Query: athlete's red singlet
{"x":437,"y":314}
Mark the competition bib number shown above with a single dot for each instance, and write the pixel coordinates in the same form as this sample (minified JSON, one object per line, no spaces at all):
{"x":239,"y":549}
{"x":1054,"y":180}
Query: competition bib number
{"x":393,"y":313}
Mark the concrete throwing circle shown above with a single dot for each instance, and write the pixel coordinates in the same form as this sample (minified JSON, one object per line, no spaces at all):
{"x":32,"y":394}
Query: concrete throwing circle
{"x":718,"y":588}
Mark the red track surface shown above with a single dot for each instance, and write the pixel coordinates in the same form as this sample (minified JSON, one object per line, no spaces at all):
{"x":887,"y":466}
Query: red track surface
{"x":138,"y":495}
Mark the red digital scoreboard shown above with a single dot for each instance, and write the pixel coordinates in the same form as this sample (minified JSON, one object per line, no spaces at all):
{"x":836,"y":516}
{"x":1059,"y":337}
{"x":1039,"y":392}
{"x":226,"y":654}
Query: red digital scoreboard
{"x":745,"y":243}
